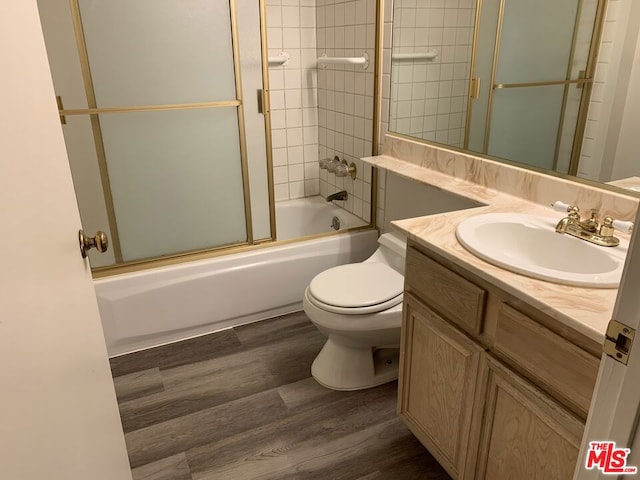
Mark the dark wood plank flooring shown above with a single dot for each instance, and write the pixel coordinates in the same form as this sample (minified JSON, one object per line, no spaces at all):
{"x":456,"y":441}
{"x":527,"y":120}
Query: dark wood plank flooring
{"x":241,"y":404}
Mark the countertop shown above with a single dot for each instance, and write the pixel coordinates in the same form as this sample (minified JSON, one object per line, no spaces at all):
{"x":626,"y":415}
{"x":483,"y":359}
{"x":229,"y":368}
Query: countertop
{"x":586,"y":310}
{"x":630,"y":183}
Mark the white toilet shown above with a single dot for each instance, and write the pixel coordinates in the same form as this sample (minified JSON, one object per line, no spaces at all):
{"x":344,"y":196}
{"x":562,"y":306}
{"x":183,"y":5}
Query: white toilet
{"x":359,"y":307}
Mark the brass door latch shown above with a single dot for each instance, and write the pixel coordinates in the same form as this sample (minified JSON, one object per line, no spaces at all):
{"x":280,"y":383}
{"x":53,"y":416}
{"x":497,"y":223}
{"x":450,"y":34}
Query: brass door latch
{"x":618,"y":341}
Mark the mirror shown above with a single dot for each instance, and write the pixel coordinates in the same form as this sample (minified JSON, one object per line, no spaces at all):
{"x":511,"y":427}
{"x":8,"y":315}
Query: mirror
{"x":516,"y":80}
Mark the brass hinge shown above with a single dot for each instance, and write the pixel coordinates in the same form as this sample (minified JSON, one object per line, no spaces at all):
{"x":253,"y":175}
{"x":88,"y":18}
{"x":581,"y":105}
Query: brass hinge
{"x":262,"y":101}
{"x":474,"y":88}
{"x":618,"y":341}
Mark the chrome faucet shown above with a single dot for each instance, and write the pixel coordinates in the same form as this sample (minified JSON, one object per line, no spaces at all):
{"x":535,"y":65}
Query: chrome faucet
{"x":342,"y":195}
{"x":588,"y":229}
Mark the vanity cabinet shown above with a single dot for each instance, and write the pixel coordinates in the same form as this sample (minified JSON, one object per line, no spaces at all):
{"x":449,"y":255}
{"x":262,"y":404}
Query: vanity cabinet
{"x":525,"y":433}
{"x":491,"y":387}
{"x":440,"y":367}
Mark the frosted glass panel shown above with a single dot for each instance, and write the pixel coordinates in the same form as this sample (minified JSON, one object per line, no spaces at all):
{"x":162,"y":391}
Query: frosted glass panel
{"x":62,"y":50}
{"x":148,"y":52}
{"x":486,"y":45}
{"x":535,"y":45}
{"x":532,"y":138}
{"x":251,"y":66}
{"x":176,"y":180}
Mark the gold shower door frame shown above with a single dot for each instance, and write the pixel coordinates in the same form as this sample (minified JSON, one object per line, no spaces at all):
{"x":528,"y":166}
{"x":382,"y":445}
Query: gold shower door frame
{"x":585,"y":81}
{"x":93,"y":112}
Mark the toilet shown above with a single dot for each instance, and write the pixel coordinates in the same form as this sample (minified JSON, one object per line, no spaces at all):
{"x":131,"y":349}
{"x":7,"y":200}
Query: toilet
{"x":358,"y":306}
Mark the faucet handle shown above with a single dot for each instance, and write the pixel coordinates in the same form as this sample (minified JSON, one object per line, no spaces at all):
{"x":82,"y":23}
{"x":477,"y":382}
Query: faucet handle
{"x":324,"y":163}
{"x":607,"y":228}
{"x":622,"y":226}
{"x":609,"y":225}
{"x":345,"y":169}
{"x":561,"y":206}
{"x":572,"y":211}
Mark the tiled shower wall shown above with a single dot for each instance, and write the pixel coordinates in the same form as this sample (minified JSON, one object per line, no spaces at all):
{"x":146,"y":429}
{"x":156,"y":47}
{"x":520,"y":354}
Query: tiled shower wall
{"x":321,"y":112}
{"x":291,"y":27}
{"x":345,"y":96}
{"x":602,"y":97}
{"x":429,"y":97}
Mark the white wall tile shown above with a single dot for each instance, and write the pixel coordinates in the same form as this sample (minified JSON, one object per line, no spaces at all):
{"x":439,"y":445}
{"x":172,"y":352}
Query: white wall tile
{"x":293,"y":118}
{"x":280,"y":175}
{"x":296,"y":172}
{"x":281,"y":192}
{"x":277,"y":99}
{"x":307,"y":38}
{"x":279,"y":157}
{"x":296,"y":189}
{"x":278,"y":119}
{"x":311,"y":153}
{"x":290,"y":16}
{"x":311,"y":187}
{"x":295,"y":154}
{"x":279,"y":138}
{"x":274,"y":16}
{"x":307,"y":17}
{"x":276,"y":78}
{"x":293,"y":98}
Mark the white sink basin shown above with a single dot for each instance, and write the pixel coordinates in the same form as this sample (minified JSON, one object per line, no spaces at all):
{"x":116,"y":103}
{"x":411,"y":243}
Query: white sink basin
{"x":529,"y":245}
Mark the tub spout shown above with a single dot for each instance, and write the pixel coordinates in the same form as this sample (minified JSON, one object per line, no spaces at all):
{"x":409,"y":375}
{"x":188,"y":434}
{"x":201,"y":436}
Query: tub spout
{"x":342,"y":195}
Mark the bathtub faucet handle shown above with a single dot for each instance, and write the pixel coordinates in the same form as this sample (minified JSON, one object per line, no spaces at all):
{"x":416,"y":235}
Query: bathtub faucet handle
{"x":344,"y":170}
{"x":329,"y":164}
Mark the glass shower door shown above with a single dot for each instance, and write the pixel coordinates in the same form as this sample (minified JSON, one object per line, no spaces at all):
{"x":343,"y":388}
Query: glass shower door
{"x":163,"y":101}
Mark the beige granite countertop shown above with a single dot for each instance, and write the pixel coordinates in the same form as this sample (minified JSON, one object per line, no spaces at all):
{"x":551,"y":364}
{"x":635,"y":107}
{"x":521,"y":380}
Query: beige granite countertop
{"x":630,"y":183}
{"x":586,"y":310}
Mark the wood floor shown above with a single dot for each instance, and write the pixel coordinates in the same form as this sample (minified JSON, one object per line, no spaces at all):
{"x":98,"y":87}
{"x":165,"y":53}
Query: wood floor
{"x":240,"y":404}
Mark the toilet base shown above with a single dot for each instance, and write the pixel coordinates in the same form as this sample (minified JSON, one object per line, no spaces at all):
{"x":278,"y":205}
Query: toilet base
{"x":341,"y":367}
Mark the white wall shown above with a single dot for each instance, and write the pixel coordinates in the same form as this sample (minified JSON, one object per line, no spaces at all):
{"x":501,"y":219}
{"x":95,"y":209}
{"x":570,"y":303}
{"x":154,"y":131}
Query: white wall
{"x":401,"y":198}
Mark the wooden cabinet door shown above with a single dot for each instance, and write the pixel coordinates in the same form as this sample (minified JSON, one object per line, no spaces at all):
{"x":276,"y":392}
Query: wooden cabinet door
{"x":525,"y":433}
{"x":438,"y":377}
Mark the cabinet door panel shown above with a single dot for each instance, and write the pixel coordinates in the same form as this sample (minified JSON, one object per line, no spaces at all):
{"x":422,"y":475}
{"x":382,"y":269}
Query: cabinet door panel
{"x":439,"y":371}
{"x":525,"y":433}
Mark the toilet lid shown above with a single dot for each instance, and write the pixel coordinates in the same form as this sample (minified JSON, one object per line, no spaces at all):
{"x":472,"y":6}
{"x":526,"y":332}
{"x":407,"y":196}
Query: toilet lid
{"x":358,"y":285}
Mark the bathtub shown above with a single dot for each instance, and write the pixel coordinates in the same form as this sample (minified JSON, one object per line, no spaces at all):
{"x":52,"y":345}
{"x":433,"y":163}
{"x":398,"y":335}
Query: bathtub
{"x":310,"y":216}
{"x":166,"y":304}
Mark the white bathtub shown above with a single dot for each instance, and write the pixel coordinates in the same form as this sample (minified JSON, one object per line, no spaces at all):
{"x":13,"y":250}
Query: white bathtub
{"x":166,"y":304}
{"x":309,"y":216}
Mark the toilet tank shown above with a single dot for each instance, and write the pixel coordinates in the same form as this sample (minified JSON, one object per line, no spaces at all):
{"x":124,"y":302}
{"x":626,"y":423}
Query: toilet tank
{"x":391,"y":250}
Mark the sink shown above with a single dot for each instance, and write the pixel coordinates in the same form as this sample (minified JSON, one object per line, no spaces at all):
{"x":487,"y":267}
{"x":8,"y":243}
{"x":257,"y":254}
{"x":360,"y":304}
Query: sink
{"x":529,"y":245}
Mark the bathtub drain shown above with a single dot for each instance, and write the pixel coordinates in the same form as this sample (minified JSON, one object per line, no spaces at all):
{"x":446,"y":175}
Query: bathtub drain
{"x":335,"y":223}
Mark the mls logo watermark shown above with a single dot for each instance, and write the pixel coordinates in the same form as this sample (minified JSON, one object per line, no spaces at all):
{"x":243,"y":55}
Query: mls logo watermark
{"x":608,"y":459}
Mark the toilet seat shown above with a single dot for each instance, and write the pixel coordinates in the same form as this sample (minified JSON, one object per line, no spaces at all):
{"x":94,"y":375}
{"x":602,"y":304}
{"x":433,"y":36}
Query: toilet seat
{"x":357,"y":288}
